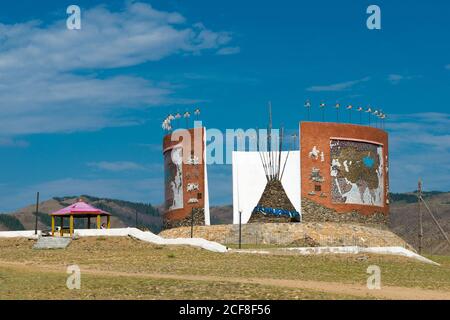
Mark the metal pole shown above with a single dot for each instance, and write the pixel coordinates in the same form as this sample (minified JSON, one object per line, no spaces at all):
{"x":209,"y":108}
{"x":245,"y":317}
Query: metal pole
{"x":435,"y":220}
{"x":337,"y":106}
{"x":420,"y":235}
{"x":192,"y":223}
{"x":240,"y":229}
{"x":36,"y":214}
{"x":136,"y":216}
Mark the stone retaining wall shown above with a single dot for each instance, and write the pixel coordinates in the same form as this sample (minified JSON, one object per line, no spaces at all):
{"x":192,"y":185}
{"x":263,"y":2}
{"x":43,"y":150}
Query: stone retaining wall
{"x":314,"y":212}
{"x":310,"y":234}
{"x":199,"y":220}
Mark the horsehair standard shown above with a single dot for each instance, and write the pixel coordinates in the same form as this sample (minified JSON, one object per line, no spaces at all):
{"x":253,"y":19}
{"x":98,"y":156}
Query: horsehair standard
{"x":271,"y":158}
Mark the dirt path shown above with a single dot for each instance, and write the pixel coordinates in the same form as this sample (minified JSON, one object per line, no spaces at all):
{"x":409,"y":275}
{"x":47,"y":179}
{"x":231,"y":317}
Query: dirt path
{"x":386,"y":292}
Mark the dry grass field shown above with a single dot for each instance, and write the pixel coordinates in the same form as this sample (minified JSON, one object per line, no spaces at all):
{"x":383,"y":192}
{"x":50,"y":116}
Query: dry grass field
{"x":124,"y":268}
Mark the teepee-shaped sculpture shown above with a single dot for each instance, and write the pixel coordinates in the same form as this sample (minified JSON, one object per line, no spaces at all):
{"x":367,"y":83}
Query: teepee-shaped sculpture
{"x":274,"y":205}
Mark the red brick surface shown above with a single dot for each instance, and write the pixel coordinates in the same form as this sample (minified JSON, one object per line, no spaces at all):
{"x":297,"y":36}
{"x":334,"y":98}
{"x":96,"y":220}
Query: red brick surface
{"x":191,"y":173}
{"x":319,"y":134}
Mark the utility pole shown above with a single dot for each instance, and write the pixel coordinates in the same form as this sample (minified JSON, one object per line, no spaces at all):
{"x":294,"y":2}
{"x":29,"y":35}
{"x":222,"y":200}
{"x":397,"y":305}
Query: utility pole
{"x":419,"y":198}
{"x":435,"y":221}
{"x":36,"y":214}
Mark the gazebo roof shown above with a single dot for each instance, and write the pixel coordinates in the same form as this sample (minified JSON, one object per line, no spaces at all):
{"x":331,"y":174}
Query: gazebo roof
{"x":80,"y":208}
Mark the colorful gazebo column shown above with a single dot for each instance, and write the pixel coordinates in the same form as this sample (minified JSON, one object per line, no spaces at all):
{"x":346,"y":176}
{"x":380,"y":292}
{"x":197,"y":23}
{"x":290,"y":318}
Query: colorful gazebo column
{"x":78,"y":210}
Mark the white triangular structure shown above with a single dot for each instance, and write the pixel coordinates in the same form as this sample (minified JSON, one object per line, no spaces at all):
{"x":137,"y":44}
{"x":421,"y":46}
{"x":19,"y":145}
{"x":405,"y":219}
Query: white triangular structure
{"x":249,"y":182}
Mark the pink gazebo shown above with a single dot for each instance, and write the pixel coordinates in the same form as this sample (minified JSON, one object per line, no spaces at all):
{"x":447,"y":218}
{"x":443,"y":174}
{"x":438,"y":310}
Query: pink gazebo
{"x":79,"y":209}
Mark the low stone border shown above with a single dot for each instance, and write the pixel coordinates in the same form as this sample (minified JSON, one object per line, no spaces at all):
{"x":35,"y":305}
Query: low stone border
{"x":396,"y":251}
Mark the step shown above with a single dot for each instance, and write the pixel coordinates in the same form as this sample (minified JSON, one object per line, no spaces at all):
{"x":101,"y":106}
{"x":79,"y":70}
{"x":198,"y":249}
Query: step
{"x":52,"y":243}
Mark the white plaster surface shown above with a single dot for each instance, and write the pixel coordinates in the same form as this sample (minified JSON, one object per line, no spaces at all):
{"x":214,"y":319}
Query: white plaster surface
{"x":19,"y":234}
{"x":207,"y":212}
{"x":249,"y":181}
{"x":397,"y":251}
{"x":125,"y":232}
{"x":152,"y":238}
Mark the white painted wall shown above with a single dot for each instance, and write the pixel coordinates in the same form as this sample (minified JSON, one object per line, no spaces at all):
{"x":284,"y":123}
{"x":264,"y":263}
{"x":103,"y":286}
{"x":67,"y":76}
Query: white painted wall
{"x":249,"y":181}
{"x":146,"y":236}
{"x":396,"y":251}
{"x":19,"y":234}
{"x":207,"y":214}
{"x":152,"y":238}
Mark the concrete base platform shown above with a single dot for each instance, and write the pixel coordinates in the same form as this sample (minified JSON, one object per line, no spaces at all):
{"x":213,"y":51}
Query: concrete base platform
{"x":52,"y":243}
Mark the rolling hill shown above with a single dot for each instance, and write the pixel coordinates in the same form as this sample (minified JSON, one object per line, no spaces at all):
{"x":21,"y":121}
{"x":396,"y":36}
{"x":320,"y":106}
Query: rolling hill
{"x":404,"y":220}
{"x":124,"y":214}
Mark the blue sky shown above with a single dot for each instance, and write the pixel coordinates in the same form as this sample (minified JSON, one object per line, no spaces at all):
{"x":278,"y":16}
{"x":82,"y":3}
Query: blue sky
{"x":80,"y":111}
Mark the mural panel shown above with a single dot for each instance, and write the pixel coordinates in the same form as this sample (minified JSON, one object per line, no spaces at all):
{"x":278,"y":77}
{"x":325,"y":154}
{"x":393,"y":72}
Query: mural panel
{"x":357,"y":172}
{"x":173,"y":162}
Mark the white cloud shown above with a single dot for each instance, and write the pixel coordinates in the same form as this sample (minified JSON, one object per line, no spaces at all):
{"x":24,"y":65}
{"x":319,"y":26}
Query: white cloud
{"x":150,"y":146}
{"x":50,"y":76}
{"x":228,"y":51}
{"x":419,"y":147}
{"x":397,"y":78}
{"x":107,"y":40}
{"x":337,"y":86}
{"x":9,"y":142}
{"x":116,"y":166}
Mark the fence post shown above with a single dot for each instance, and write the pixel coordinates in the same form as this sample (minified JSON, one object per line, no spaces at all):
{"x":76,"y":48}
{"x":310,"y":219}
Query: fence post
{"x":240,"y":227}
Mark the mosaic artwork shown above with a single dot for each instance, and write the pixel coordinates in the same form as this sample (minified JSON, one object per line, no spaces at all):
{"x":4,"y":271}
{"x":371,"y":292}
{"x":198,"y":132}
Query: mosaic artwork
{"x":173,"y":161}
{"x":356,"y":172}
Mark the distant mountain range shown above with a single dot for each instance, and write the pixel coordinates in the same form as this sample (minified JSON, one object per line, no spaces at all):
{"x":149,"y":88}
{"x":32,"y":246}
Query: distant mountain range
{"x":123,"y":214}
{"x":403,"y":217}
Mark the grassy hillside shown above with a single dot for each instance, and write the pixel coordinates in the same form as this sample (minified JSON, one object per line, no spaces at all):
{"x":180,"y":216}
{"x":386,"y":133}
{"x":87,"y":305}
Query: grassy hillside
{"x":123,"y":268}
